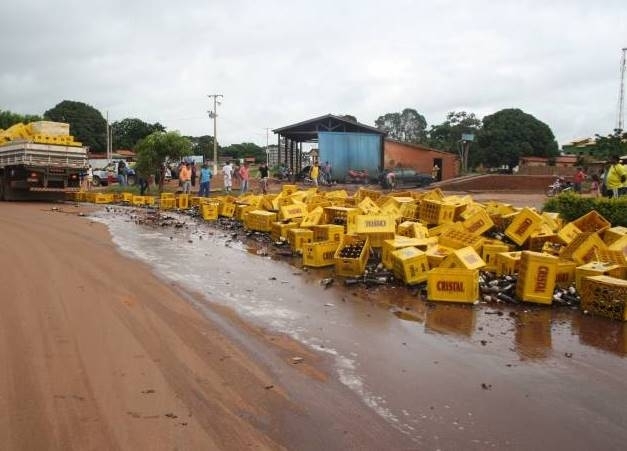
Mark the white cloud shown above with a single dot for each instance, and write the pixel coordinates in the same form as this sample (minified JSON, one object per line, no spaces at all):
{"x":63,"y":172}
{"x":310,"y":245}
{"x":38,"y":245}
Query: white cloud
{"x":281,"y":62}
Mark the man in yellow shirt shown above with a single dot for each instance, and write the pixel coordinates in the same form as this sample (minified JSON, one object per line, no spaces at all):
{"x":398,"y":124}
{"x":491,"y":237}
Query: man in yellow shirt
{"x":616,"y":176}
{"x":314,"y":173}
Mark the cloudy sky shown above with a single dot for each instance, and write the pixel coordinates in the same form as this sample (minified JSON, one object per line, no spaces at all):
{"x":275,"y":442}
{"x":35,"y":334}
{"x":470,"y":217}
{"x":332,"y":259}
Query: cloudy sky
{"x":280,"y":62}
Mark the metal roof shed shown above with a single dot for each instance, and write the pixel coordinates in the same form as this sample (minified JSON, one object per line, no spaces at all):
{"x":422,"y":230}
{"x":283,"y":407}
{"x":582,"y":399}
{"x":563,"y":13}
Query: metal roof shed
{"x":342,"y":142}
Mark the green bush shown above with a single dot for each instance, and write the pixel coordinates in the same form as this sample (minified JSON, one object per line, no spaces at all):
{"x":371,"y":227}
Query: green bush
{"x":571,"y":206}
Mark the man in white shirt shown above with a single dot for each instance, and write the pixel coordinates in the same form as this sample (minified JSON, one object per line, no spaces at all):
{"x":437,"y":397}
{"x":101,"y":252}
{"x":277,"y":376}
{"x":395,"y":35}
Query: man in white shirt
{"x":227,"y":170}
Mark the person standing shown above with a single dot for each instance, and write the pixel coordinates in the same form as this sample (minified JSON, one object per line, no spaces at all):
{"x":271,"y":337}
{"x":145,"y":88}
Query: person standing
{"x":263,"y":178}
{"x":578,"y":179}
{"x":122,"y":173}
{"x":616,"y":177}
{"x":244,"y":176}
{"x":205,"y":180}
{"x":185,"y":177}
{"x":435,"y":172}
{"x":315,"y":173}
{"x":227,"y":171}
{"x":90,"y":178}
{"x":193,"y":176}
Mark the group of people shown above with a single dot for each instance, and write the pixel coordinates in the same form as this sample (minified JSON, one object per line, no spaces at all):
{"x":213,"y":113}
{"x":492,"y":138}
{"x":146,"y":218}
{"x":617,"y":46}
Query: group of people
{"x":610,"y":182}
{"x":321,"y":175}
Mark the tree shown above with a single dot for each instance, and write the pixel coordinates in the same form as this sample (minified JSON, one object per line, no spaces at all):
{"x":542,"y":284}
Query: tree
{"x":612,"y":144}
{"x":128,"y":132}
{"x":8,"y":119}
{"x":447,"y":135}
{"x":86,"y":123}
{"x":244,"y":150}
{"x":407,"y":126}
{"x":203,"y":145}
{"x":157,"y":149}
{"x":510,"y":134}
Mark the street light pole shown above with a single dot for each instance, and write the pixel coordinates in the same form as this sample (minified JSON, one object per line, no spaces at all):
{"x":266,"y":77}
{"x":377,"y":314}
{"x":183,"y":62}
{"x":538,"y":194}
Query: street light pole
{"x":267,"y":148}
{"x":213,"y":115}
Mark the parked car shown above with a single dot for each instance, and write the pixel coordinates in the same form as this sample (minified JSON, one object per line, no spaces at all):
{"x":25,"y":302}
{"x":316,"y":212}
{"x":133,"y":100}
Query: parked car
{"x":404,"y":177}
{"x":110,"y":172}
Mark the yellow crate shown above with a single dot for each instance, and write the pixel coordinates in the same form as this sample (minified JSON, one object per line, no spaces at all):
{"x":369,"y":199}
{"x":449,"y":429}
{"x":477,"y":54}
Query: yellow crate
{"x":592,"y":222}
{"x":568,"y":233}
{"x":489,"y":252}
{"x":595,"y":269}
{"x":374,"y":224}
{"x":103,"y":198}
{"x":344,"y":216}
{"x":619,"y":245}
{"x":437,"y":254}
{"x":458,"y":239}
{"x":150,"y":200}
{"x":412,"y":229}
{"x":377,"y":238}
{"x":288,"y":189}
{"x":362,"y":193}
{"x":453,"y":285}
{"x":552,"y":220}
{"x":226,"y":210}
{"x":319,"y":254}
{"x":279,"y":229}
{"x":242,"y":210}
{"x":351,"y":256}
{"x":437,"y":212}
{"x":398,"y":242}
{"x":209,"y":211}
{"x":433,"y":194}
{"x":410,"y":212}
{"x":410,"y":265}
{"x":565,"y":275}
{"x":182,"y":201}
{"x":298,"y":237}
{"x":327,"y":232}
{"x":439,"y":230}
{"x":507,"y":263}
{"x":523,"y":225}
{"x":138,"y":200}
{"x":167,"y":203}
{"x":91,"y":196}
{"x":536,"y":277}
{"x":613,"y":234}
{"x":466,"y":257}
{"x":260,"y":220}
{"x":314,"y":217}
{"x":127,"y":197}
{"x":585,"y":248}
{"x":367,"y":206}
{"x":167,"y":196}
{"x":479,"y":222}
{"x":537,"y":240}
{"x":293,"y":211}
{"x":604,"y":296}
{"x":194,"y":201}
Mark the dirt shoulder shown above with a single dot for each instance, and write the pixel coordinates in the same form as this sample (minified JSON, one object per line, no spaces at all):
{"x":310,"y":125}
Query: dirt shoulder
{"x":99,"y":353}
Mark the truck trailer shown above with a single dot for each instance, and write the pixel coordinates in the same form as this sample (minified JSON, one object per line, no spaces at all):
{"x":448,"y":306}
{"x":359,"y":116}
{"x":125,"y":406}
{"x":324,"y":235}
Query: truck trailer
{"x":40,"y":161}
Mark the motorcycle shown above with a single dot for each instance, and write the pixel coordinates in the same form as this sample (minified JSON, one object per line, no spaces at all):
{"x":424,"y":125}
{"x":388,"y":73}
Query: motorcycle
{"x":559,"y":186}
{"x":357,"y":176}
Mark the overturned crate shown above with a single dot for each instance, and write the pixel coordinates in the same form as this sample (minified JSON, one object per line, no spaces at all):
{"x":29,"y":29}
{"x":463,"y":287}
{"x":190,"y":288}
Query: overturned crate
{"x":604,"y":296}
{"x":453,"y":285}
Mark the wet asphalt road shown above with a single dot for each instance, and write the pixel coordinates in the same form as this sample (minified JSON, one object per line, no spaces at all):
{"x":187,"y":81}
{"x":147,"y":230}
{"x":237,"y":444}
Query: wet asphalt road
{"x":445,"y":376}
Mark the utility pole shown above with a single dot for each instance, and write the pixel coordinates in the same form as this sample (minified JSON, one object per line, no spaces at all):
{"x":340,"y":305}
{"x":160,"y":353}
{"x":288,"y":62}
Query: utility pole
{"x":213,"y":115}
{"x":621,"y":92}
{"x":267,"y":148}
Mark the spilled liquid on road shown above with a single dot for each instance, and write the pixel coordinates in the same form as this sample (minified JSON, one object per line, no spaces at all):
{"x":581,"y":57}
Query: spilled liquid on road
{"x":449,"y":376}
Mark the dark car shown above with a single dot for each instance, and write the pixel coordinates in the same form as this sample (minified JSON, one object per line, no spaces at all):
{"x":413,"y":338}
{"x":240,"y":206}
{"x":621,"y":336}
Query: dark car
{"x":405,"y":178}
